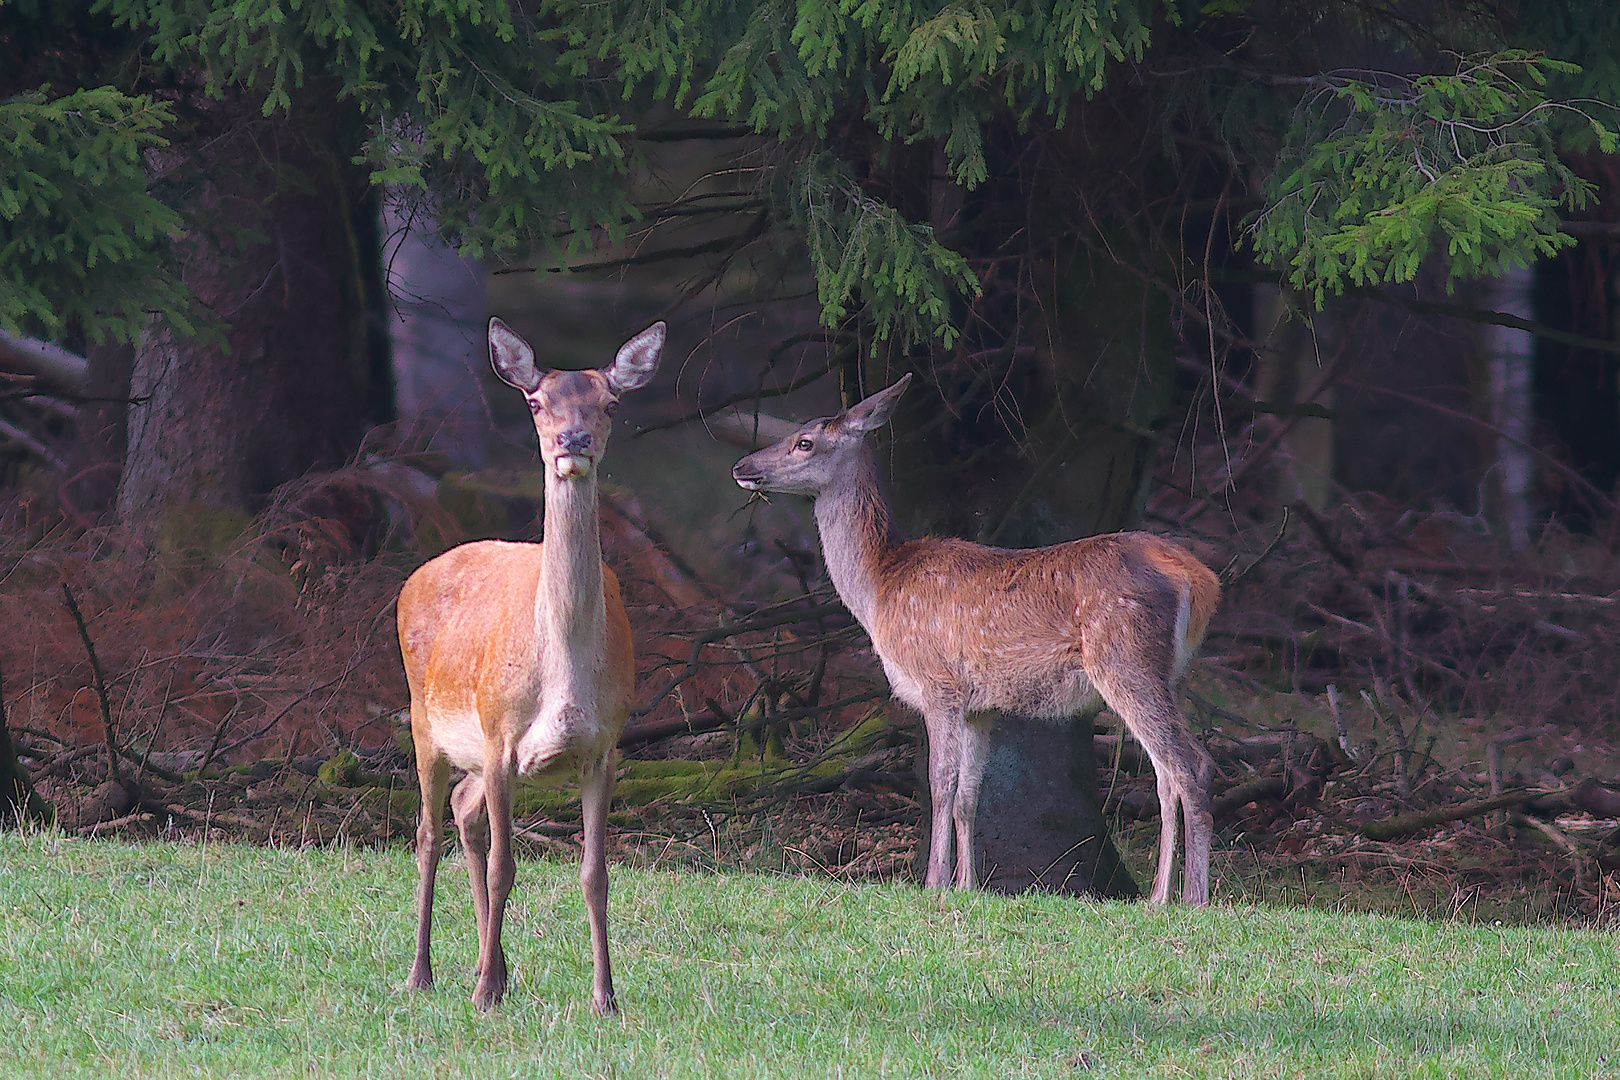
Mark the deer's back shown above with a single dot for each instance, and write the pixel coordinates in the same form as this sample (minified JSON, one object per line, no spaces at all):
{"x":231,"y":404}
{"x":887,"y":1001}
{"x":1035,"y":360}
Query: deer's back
{"x":1017,"y":629}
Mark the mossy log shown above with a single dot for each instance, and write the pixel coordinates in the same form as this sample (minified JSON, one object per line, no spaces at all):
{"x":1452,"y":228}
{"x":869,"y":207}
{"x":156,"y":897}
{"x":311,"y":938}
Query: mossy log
{"x":751,"y":769}
{"x":1393,"y":828}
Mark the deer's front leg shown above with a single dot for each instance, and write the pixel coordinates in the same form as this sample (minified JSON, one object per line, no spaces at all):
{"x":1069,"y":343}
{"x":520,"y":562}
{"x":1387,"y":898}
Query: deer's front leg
{"x":596,"y":792}
{"x":499,"y":874}
{"x":944,"y":759}
{"x":434,"y":774}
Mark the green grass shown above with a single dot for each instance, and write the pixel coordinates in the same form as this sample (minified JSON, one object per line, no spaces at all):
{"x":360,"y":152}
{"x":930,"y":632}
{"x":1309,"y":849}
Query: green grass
{"x":164,"y":960}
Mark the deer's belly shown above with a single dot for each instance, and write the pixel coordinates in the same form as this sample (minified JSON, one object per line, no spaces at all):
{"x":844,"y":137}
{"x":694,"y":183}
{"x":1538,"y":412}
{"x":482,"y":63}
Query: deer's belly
{"x":1005,"y":683}
{"x":1042,"y":694}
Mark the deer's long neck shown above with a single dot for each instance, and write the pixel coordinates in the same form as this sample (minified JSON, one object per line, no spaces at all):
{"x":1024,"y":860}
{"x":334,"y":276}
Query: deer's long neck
{"x":569,"y":605}
{"x":857,"y":529}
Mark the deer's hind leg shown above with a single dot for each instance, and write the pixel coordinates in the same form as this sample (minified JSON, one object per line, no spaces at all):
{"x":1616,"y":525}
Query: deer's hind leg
{"x":1200,"y":829}
{"x":501,"y":871}
{"x":1182,"y":768}
{"x":972,"y":750}
{"x":467,"y":804}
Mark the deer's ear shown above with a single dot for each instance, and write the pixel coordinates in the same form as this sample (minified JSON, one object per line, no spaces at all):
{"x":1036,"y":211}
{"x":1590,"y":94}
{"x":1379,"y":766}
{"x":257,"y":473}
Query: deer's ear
{"x":874,"y":412}
{"x":637,"y":360}
{"x":512,"y":358}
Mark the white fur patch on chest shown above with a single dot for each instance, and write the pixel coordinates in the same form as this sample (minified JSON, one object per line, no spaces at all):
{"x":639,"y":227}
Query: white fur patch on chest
{"x":902,"y":685}
{"x":563,"y":732}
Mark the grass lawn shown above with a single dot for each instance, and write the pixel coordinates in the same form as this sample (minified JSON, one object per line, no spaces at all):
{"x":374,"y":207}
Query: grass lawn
{"x":122,"y":960}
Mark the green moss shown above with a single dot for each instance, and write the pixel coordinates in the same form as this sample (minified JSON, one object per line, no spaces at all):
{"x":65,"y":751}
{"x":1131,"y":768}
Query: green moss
{"x":403,"y":802}
{"x":342,"y":769}
{"x":876,"y":730}
{"x":533,"y":800}
{"x":650,"y":770}
{"x":200,"y":527}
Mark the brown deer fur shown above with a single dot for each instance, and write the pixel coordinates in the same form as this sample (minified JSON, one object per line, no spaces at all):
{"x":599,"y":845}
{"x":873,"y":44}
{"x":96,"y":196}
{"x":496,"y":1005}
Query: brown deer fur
{"x":965,"y":630}
{"x":520,"y":662}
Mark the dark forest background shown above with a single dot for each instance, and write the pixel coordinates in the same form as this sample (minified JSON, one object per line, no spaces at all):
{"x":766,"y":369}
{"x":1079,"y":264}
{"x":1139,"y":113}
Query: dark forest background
{"x":1322,"y":290}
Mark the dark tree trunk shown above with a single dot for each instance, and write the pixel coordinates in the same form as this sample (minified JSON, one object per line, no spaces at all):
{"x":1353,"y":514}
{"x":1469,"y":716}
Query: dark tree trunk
{"x":1044,"y":435}
{"x":92,"y":482}
{"x":18,"y":799}
{"x":277,"y":385}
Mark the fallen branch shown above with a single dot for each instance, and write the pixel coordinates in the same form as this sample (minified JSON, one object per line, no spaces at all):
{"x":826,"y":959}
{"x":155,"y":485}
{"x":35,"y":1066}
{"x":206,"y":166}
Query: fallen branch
{"x":714,"y":720}
{"x":695,"y":724}
{"x":1559,"y":840}
{"x":210,"y":818}
{"x":116,"y":823}
{"x":721,"y":633}
{"x":1271,"y":787}
{"x":1400,"y":825}
{"x":1595,"y":799}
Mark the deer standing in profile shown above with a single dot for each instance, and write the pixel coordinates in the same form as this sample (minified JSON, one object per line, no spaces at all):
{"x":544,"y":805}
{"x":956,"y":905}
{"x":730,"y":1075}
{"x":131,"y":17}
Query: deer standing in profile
{"x":520,"y":663}
{"x":963,"y":630}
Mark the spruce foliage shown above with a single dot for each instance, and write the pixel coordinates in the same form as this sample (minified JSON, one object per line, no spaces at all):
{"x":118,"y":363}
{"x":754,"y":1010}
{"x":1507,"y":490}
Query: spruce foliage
{"x":522,"y":127}
{"x":82,"y":237}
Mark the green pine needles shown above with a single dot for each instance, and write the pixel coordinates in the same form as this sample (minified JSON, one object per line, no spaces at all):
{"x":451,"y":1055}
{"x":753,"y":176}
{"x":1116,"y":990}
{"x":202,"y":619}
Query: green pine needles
{"x":82,"y":239}
{"x":1380,"y":171}
{"x":862,"y":251}
{"x":517,"y":125}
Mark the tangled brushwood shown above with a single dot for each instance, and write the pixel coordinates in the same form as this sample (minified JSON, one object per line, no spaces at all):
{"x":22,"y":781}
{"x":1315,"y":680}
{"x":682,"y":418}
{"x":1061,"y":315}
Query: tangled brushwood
{"x":1392,"y":703}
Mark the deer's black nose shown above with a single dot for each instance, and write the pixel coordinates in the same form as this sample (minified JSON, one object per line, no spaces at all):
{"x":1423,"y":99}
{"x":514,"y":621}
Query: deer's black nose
{"x":574,"y":442}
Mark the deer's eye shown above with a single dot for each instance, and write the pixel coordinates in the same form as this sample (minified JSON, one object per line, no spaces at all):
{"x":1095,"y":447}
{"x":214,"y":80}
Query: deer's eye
{"x":804,"y":444}
{"x":611,"y":407}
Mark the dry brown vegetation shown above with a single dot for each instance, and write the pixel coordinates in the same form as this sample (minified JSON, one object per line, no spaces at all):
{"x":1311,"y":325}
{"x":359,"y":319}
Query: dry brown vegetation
{"x":1367,"y":665}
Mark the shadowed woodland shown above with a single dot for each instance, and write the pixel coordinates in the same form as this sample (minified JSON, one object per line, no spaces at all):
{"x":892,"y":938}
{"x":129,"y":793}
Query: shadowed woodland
{"x":1399,"y":449}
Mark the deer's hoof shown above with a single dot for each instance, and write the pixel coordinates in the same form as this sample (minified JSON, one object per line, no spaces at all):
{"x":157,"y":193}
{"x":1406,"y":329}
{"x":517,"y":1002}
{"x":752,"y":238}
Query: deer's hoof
{"x":487,"y":996}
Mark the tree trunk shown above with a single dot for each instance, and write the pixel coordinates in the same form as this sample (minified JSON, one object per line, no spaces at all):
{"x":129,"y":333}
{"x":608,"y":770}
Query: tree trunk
{"x":91,"y":486}
{"x":437,"y":325}
{"x":277,"y":383}
{"x":1511,"y":354}
{"x":1288,"y":371}
{"x":18,"y":799}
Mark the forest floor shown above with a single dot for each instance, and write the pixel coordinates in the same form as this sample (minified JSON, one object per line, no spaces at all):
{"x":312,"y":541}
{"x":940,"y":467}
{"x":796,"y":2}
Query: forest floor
{"x":1404,"y":718}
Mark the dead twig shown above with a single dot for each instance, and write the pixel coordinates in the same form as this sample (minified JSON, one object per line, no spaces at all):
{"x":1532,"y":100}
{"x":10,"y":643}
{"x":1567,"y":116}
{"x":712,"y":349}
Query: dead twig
{"x":721,"y":633}
{"x":1230,"y":580}
{"x":113,"y":772}
{"x":1559,"y":839}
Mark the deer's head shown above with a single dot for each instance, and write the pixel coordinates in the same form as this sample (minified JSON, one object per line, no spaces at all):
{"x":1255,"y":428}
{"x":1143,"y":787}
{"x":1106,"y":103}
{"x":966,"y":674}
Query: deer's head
{"x":573,"y":410}
{"x":813,"y":457}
